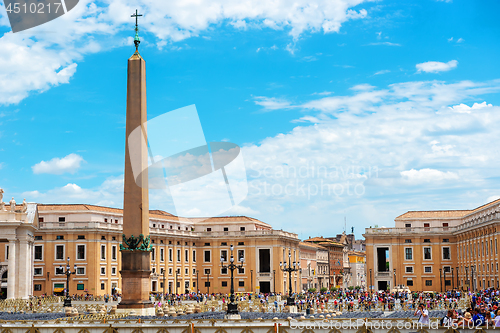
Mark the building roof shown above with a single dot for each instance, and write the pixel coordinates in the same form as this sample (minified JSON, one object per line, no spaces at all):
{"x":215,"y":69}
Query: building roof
{"x":322,"y":241}
{"x":444,"y":213}
{"x":152,"y":213}
{"x":313,"y":245}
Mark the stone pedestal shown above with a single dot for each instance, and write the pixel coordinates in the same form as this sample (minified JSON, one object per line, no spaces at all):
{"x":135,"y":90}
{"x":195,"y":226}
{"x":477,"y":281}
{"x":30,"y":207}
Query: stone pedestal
{"x":232,"y":316}
{"x":135,"y":281}
{"x":291,"y":309}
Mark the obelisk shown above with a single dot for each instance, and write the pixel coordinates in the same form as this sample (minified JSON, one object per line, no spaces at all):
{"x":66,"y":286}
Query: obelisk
{"x":135,"y":249}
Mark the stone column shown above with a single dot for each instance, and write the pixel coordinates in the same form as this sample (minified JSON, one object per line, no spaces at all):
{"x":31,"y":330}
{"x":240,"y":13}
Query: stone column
{"x":12,"y":272}
{"x":24,"y":276}
{"x":135,"y":270}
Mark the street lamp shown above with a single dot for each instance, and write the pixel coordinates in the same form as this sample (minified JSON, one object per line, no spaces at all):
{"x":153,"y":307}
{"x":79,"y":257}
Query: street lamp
{"x":274,"y":281}
{"x":371,"y":282}
{"x":176,"y":281}
{"x":452,"y":280}
{"x":441,"y":279}
{"x":290,"y":268}
{"x":197,"y":282}
{"x":395,"y":284}
{"x":232,"y":307}
{"x":208,"y":281}
{"x":67,"y":300}
{"x":164,"y":283}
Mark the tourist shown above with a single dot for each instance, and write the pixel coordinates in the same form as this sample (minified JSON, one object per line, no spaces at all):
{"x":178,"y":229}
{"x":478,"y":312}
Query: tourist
{"x":423,"y":315}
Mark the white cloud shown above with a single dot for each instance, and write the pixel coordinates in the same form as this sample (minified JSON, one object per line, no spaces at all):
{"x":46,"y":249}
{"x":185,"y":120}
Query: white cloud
{"x":385,"y":151}
{"x":271,"y":103}
{"x":384,"y":71}
{"x":57,"y":166}
{"x":460,"y":40}
{"x":1,"y":165}
{"x":34,"y":60}
{"x":427,"y":175}
{"x":385,"y":43}
{"x":436,"y":66}
{"x":463,"y":108}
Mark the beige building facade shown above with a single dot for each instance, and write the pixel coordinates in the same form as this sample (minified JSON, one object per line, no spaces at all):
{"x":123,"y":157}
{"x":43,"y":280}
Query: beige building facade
{"x":436,"y":250}
{"x":186,"y":254}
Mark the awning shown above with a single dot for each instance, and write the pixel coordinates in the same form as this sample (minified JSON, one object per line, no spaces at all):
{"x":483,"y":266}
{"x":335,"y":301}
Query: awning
{"x":58,"y":290}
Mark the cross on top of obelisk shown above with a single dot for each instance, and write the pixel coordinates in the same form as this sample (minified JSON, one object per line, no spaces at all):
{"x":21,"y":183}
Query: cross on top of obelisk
{"x":137,"y":40}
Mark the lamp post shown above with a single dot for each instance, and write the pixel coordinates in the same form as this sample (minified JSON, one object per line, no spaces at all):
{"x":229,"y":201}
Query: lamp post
{"x":197,"y":282}
{"x":274,"y":281}
{"x":371,"y":282}
{"x":441,"y":279}
{"x":67,"y":300}
{"x":48,"y":284}
{"x":289,"y":269}
{"x":208,"y":281}
{"x":164,"y":283}
{"x":395,"y":284}
{"x":473,"y":288}
{"x":452,"y":280}
{"x":251,"y":281}
{"x":444,"y":278}
{"x":232,"y":307}
{"x":457,"y":277}
{"x":176,"y":281}
{"x":467,"y":277}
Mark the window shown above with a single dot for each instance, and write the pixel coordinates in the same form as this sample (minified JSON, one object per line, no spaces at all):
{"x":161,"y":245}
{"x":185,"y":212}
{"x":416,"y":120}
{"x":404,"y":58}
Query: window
{"x":80,"y":286}
{"x":447,"y":282}
{"x":162,"y":255}
{"x":223,"y":255}
{"x":113,"y":270}
{"x":223,"y":270}
{"x":186,"y":255}
{"x":102,"y":286}
{"x":407,"y":225}
{"x":194,"y":256}
{"x":241,"y":243}
{"x":170,"y":255}
{"x":38,"y":252}
{"x":445,"y":225}
{"x":242,"y":228}
{"x":207,"y":283}
{"x":241,"y":254}
{"x":408,"y":253}
{"x":81,"y":237}
{"x":40,"y":219}
{"x":6,"y":252}
{"x":407,"y":240}
{"x":62,"y":219}
{"x":194,"y":271}
{"x":447,"y":269}
{"x":409,"y":269}
{"x":80,"y":252}
{"x":178,"y":255}
{"x":223,"y":244}
{"x":428,"y":283}
{"x":428,"y":269}
{"x":426,"y":225}
{"x":226,"y":229}
{"x":38,"y":287}
{"x":103,"y":252}
{"x":241,"y":270}
{"x":186,"y":271}
{"x":409,"y":283}
{"x":209,"y":229}
{"x":113,"y":238}
{"x":446,"y":253}
{"x":113,"y":252}
{"x":206,"y":256}
{"x":427,"y":253}
{"x":80,"y":271}
{"x":103,"y":270}
{"x":59,"y":237}
{"x":103,"y":237}
{"x":207,"y":271}
{"x":207,"y":244}
{"x":38,"y":238}
{"x":38,"y":271}
{"x":59,"y":252}
{"x":446,"y":240}
{"x":427,"y":240}
{"x":59,"y":270}
{"x":170,"y":271}
{"x":241,"y":283}
{"x":153,"y":254}
{"x":224,"y":283}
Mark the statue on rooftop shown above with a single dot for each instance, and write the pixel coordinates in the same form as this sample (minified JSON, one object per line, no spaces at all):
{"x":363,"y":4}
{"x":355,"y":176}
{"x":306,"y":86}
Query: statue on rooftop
{"x":12,"y":203}
{"x":25,"y":206}
{"x":1,"y":194}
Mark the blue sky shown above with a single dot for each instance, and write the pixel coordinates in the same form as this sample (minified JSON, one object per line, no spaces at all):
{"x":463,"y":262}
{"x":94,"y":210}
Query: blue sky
{"x":398,"y":101}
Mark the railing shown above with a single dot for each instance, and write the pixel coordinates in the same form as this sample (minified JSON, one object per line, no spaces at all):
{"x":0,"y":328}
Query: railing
{"x":415,"y":230}
{"x":248,"y":233}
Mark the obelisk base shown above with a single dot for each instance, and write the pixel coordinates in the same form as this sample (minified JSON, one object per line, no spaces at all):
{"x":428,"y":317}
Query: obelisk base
{"x":135,"y":281}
